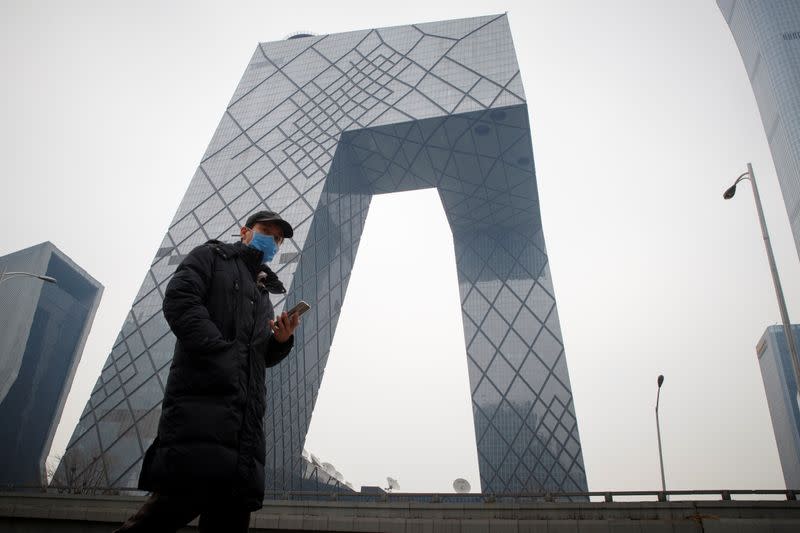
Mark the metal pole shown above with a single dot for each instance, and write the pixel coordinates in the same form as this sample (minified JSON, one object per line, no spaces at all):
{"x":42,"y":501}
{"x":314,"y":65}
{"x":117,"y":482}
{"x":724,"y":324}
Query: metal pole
{"x":6,"y":275}
{"x":787,"y":328}
{"x":660,"y":456}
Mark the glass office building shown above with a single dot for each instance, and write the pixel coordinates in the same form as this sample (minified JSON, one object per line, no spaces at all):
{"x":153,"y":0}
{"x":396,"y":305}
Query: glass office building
{"x":43,"y":328}
{"x":767,"y":33}
{"x":316,"y":127}
{"x":780,"y":387}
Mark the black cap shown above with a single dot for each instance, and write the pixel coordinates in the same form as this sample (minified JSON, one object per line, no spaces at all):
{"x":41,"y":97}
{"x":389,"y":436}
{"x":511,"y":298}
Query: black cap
{"x":269,"y":216}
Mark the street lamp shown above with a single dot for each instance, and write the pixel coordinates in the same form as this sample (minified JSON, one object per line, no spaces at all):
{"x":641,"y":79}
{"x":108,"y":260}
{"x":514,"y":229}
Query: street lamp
{"x":5,"y":276}
{"x":787,"y":329}
{"x":658,"y":430}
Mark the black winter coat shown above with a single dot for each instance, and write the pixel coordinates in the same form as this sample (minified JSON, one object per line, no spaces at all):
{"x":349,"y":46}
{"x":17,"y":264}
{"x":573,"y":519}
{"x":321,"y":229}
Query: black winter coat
{"x":211,"y":434}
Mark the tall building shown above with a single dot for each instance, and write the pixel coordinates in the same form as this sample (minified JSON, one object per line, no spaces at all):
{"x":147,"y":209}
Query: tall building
{"x":43,"y":328}
{"x":780,"y":387}
{"x":767,"y":33}
{"x":316,"y":127}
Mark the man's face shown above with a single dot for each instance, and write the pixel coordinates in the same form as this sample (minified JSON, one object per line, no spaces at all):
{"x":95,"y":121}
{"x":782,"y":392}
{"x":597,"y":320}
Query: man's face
{"x":266,"y":228}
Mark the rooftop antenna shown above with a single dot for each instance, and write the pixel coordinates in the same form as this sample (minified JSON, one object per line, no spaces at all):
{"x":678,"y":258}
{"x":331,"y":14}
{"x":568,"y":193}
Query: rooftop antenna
{"x":393,"y":484}
{"x":461,"y":486}
{"x":329,"y":468}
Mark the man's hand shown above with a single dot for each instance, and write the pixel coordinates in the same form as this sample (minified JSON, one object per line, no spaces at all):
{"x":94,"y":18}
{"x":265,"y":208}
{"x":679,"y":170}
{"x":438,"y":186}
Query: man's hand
{"x":284,"y":326}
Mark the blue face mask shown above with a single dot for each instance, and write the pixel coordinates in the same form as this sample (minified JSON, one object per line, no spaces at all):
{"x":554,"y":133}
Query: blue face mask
{"x":266,"y":244}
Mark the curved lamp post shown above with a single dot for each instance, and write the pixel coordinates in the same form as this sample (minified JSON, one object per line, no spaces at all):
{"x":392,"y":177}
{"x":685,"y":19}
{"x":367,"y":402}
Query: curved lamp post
{"x":5,"y":276}
{"x":658,"y":430}
{"x":787,"y":329}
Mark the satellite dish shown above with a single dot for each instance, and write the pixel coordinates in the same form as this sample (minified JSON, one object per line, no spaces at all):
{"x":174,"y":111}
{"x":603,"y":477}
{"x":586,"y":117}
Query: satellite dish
{"x":304,"y":453}
{"x":393,"y":484}
{"x":315,"y":460}
{"x":349,"y":485}
{"x":329,"y":468}
{"x":299,"y":35}
{"x":338,"y":475}
{"x":461,"y":486}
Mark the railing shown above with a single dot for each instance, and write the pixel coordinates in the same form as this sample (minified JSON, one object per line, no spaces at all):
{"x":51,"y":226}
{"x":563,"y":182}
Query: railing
{"x":527,"y":497}
{"x":432,"y":497}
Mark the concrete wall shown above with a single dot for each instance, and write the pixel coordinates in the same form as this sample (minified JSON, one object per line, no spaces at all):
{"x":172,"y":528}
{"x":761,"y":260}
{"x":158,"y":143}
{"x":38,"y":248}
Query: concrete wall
{"x":35,"y":513}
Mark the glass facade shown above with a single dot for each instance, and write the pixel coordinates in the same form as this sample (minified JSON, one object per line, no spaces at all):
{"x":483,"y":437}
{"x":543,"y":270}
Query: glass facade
{"x":317,"y":126}
{"x":44,"y":328}
{"x":780,"y":386}
{"x":767,"y":33}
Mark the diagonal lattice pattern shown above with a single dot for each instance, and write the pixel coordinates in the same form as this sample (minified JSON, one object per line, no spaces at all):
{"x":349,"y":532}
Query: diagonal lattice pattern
{"x":316,"y":127}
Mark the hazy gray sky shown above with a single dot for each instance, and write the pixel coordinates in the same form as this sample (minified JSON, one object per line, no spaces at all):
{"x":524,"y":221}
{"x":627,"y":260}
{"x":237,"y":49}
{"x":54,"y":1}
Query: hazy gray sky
{"x":642,"y":115}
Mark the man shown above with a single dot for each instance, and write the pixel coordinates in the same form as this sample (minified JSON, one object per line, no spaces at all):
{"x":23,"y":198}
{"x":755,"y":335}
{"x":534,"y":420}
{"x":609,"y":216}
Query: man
{"x":208,"y":457}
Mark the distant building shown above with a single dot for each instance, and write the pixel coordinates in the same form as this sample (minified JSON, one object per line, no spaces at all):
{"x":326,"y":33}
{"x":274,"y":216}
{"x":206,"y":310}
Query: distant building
{"x":43,"y":328}
{"x":317,"y":126}
{"x":767,"y":33}
{"x":780,"y":386}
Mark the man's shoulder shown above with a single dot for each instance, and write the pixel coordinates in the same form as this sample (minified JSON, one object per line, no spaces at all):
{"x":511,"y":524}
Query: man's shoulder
{"x":224,"y":249}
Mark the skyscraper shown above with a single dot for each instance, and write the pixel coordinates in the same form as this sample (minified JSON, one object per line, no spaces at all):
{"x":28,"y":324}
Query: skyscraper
{"x":43,"y":328}
{"x":767,"y":33}
{"x":780,"y":387}
{"x":317,"y":125}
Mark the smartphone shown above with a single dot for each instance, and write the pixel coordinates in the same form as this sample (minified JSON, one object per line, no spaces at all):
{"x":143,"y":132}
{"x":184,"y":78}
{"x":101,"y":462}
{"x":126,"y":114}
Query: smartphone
{"x":300,"y":308}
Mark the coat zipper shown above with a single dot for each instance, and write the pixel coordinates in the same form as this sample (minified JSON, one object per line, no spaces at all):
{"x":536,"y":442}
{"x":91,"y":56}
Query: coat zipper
{"x":249,"y":355}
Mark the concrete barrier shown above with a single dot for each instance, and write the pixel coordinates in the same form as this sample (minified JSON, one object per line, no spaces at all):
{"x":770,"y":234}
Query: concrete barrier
{"x":45,"y":513}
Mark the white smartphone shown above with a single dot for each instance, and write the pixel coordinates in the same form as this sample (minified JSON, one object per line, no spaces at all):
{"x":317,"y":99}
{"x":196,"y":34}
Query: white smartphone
{"x":300,"y":308}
